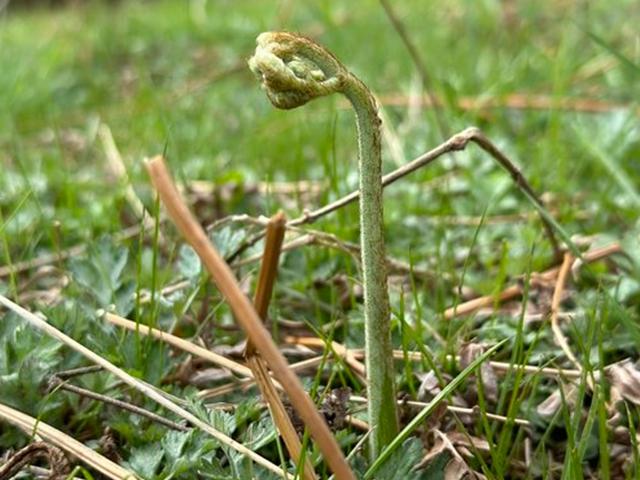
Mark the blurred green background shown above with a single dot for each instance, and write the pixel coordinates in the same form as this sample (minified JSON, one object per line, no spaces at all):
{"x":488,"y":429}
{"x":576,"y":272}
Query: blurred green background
{"x":167,"y":75}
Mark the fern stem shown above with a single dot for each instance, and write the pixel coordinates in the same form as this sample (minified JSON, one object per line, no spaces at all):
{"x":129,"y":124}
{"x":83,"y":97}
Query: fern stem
{"x":295,"y":70}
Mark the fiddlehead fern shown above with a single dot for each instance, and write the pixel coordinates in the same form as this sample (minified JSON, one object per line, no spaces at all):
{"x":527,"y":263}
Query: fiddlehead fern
{"x":294,"y":70}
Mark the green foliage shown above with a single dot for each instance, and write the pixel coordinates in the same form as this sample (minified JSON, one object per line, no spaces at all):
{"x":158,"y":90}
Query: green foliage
{"x":146,"y":460}
{"x":175,"y":455}
{"x":189,"y":264}
{"x":175,"y":76}
{"x":102,"y":274}
{"x":402,"y":462}
{"x":26,"y":360}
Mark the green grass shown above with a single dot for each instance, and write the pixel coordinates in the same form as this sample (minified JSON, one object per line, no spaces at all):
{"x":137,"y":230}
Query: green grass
{"x":171,"y":77}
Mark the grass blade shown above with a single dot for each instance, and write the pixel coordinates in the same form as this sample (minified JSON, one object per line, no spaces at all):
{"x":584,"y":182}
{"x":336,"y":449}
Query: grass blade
{"x":619,"y":175}
{"x":613,"y":51}
{"x":426,"y":411}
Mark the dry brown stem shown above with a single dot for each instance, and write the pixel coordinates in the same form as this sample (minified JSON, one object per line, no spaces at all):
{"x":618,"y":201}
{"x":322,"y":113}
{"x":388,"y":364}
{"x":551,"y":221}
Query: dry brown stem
{"x":178,"y":342}
{"x":516,"y":290}
{"x":56,"y":383}
{"x":70,"y":445}
{"x":264,"y":290}
{"x":561,"y":340}
{"x":247,"y":317}
{"x":246,"y":383}
{"x":452,"y":408}
{"x":316,"y":237}
{"x":337,"y":348}
{"x":203,"y":353}
{"x":455,"y":143}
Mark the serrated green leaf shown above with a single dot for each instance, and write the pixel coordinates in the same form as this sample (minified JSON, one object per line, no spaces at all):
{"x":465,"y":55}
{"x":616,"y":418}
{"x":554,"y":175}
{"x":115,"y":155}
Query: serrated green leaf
{"x":189,"y":263}
{"x":227,"y":240}
{"x":260,"y":433}
{"x":223,"y":421}
{"x":173,"y":444}
{"x":402,"y":462}
{"x":146,"y":460}
{"x":101,"y":271}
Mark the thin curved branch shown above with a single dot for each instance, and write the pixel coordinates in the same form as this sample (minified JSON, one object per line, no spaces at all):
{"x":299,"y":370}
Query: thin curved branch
{"x":456,"y":143}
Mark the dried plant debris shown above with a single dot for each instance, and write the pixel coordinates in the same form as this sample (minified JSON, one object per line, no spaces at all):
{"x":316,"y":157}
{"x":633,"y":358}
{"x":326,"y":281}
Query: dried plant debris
{"x":334,"y":407}
{"x":449,"y":449}
{"x":557,"y":399}
{"x":469,"y":352}
{"x":59,"y":466}
{"x":624,"y":378}
{"x":429,"y":386}
{"x":108,"y":445}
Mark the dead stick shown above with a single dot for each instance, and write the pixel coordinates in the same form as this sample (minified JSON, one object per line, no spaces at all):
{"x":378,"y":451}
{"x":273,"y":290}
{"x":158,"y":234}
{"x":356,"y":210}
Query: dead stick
{"x":177,"y":342}
{"x":514,"y":291}
{"x":262,"y":298}
{"x":57,"y":383}
{"x":75,"y":372}
{"x":471,"y":306}
{"x":198,"y":351}
{"x":337,"y":348}
{"x":247,"y":317}
{"x":475,"y":411}
{"x":268,"y":269}
{"x":38,"y":428}
{"x":413,"y":356}
{"x":455,"y":143}
{"x":561,"y":340}
{"x":279,"y":414}
{"x":246,"y":383}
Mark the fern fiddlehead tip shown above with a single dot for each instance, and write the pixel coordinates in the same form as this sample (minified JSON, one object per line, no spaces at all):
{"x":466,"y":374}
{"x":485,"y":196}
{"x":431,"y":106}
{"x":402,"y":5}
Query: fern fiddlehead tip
{"x":293,"y":69}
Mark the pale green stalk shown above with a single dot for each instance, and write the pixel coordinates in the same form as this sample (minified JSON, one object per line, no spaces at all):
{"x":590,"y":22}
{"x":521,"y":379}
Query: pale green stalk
{"x":294,"y":70}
